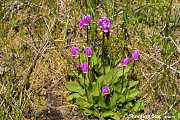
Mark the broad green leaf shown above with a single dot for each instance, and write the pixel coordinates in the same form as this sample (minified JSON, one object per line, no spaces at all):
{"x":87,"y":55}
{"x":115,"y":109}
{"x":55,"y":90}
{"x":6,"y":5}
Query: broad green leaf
{"x":111,"y":114}
{"x":116,"y":116}
{"x":107,"y":69}
{"x":122,"y":99}
{"x":94,"y":91}
{"x":107,"y":114}
{"x":72,"y":96}
{"x":110,"y":76}
{"x":131,"y":94}
{"x":119,"y":72}
{"x":138,"y":106}
{"x":83,"y":103}
{"x":89,"y":112}
{"x":74,"y":87}
{"x":132,"y":84}
{"x":100,"y":101}
{"x":113,"y":99}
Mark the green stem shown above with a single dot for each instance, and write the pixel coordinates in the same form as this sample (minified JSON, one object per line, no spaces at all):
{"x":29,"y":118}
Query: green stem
{"x":85,"y":85}
{"x":103,"y":54}
{"x":123,"y":78}
{"x":87,"y":35}
{"x":89,"y":59}
{"x":132,"y":74}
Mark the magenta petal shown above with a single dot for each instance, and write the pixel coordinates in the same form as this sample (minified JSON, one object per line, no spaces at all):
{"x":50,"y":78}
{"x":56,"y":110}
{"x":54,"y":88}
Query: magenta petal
{"x":88,"y":51}
{"x":84,"y":67}
{"x":117,"y":67}
{"x":82,"y":23}
{"x":135,"y":54}
{"x":89,"y":18}
{"x":100,"y":22}
{"x":113,"y":32}
{"x":105,"y":89}
{"x":74,"y":51}
{"x":100,"y":37}
{"x":125,"y":61}
{"x":85,"y":20}
{"x":113,"y":27}
{"x":78,"y":65}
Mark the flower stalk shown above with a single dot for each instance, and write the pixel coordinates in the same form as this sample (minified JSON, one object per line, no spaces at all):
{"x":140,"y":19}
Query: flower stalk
{"x":87,"y":35}
{"x":85,"y":85}
{"x":123,"y":77}
{"x":103,"y":54}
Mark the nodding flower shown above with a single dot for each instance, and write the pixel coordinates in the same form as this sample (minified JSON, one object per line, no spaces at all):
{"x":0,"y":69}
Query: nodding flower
{"x":105,"y":24}
{"x":85,"y":21}
{"x":84,"y":67}
{"x":88,"y":51}
{"x":125,"y":61}
{"x":74,"y":51}
{"x":135,"y":54}
{"x":105,"y":90}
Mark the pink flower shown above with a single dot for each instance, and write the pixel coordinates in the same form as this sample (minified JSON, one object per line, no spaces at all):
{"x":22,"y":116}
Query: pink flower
{"x":105,"y":24}
{"x":85,"y":20}
{"x":84,"y":67}
{"x":74,"y":51}
{"x":135,"y":54}
{"x":125,"y":61}
{"x":105,"y":90}
{"x":88,"y":51}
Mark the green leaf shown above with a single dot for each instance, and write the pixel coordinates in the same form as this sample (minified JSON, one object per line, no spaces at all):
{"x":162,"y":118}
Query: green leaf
{"x":74,"y":87}
{"x":89,"y":112}
{"x":131,"y":94}
{"x":111,"y":114}
{"x":114,"y":99}
{"x":109,"y":76}
{"x":138,"y":106}
{"x":107,"y":114}
{"x":122,"y":99}
{"x":100,"y":101}
{"x":119,"y":72}
{"x":72,"y":96}
{"x":132,"y":84}
{"x":94,"y":91}
{"x":107,"y":68}
{"x":83,"y":103}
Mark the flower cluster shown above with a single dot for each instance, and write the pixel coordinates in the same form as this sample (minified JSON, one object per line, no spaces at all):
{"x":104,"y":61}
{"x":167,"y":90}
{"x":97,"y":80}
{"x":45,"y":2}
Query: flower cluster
{"x":88,"y":51}
{"x":85,"y":21}
{"x":125,"y":61}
